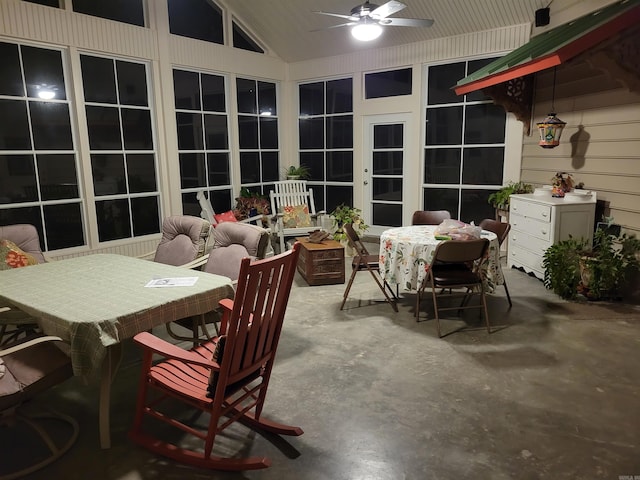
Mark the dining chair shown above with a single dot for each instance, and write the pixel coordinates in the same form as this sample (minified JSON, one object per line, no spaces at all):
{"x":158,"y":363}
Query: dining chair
{"x":364,"y":261}
{"x":232,"y":242}
{"x":501,"y":229}
{"x":457,"y":264}
{"x":226,"y":378}
{"x":27,"y":369}
{"x":429,"y":217}
{"x":15,"y":323}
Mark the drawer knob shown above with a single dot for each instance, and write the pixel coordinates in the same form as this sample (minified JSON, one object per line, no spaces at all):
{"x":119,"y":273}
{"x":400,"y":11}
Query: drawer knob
{"x":544,"y":214}
{"x":544,"y":232}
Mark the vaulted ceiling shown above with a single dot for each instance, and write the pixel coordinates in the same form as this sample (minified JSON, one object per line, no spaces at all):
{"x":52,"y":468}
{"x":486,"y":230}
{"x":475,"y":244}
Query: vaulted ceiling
{"x":286,"y":26}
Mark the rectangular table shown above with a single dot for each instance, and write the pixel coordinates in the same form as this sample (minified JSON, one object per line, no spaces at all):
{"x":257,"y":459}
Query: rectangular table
{"x":94,"y":302}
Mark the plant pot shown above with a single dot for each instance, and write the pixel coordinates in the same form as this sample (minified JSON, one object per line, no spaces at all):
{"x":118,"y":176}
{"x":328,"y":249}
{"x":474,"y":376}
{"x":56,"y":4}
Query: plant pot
{"x":586,"y":270}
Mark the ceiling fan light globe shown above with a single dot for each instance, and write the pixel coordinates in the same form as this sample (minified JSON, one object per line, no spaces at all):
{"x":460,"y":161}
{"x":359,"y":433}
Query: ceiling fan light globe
{"x":366,"y":32}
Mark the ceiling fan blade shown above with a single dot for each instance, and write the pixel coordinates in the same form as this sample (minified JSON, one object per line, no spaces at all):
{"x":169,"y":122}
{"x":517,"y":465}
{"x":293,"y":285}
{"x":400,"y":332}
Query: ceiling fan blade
{"x":334,"y":26}
{"x":335,"y":15}
{"x":387,"y":9}
{"x":407,"y":22}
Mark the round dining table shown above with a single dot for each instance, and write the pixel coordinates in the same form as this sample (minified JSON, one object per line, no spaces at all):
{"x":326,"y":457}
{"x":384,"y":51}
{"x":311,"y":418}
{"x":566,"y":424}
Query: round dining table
{"x":406,"y":254}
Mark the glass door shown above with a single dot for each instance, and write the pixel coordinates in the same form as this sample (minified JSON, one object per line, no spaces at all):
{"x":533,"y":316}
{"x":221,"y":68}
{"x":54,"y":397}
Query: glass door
{"x":384,"y":169}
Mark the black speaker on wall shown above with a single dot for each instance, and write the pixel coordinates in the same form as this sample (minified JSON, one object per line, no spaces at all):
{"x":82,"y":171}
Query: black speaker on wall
{"x":542,"y":17}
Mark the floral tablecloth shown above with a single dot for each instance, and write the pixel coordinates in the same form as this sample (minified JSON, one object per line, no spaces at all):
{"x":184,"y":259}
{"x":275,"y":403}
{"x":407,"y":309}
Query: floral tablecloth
{"x":407,"y":252}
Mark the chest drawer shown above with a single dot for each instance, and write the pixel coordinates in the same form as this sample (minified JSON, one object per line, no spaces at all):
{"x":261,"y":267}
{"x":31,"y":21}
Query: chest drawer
{"x":519,"y":257}
{"x":531,"y":210}
{"x":537,"y":228}
{"x":518,"y":238}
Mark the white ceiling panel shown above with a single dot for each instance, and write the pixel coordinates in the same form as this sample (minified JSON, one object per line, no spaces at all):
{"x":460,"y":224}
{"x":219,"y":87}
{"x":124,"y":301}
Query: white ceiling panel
{"x":286,"y":27}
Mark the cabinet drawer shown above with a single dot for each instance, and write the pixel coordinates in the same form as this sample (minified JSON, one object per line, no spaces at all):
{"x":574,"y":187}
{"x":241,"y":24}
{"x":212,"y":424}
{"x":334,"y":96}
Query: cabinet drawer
{"x":531,"y":210}
{"x":538,"y":229}
{"x":522,"y":239}
{"x":519,"y":257}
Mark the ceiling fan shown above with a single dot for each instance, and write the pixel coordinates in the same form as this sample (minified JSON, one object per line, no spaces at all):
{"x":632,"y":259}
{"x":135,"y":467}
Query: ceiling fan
{"x":368,"y":19}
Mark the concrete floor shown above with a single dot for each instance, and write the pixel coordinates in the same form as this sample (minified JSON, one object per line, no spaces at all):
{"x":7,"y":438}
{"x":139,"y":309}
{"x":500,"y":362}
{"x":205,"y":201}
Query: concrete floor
{"x":553,"y":393}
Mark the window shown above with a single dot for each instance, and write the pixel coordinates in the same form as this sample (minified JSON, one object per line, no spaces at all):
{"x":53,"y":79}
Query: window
{"x":242,"y":40}
{"x":127,"y":11}
{"x":199,"y":19}
{"x":38,"y":164}
{"x":48,"y":3}
{"x":203,"y":139}
{"x":325,"y":131}
{"x":258,"y":134}
{"x":464,"y":145}
{"x":123,"y":158}
{"x":388,"y":84}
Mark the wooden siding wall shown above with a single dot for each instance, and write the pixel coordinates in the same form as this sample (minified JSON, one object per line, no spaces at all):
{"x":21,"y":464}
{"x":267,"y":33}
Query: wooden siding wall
{"x":600,"y":145}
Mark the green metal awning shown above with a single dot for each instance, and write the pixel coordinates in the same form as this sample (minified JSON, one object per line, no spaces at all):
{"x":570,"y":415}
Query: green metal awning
{"x":555,"y":46}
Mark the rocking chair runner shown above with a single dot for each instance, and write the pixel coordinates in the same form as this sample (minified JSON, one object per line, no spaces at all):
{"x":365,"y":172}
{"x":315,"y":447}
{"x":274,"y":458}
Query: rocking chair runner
{"x":234,"y":372}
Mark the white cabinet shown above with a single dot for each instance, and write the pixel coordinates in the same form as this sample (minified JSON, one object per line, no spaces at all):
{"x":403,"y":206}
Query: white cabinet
{"x":539,"y":221}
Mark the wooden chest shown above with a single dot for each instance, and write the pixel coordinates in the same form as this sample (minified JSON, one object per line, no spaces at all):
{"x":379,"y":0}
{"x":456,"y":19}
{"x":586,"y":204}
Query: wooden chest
{"x":321,"y":263}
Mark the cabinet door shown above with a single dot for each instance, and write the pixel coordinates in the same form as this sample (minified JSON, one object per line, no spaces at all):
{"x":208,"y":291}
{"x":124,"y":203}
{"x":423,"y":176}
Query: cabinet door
{"x":575,"y":221}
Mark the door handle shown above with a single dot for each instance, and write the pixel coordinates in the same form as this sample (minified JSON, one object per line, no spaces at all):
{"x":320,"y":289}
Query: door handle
{"x":365,"y":183}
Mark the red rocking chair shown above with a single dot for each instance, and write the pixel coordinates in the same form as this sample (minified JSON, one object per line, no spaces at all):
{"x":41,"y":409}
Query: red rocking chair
{"x":226,"y":377}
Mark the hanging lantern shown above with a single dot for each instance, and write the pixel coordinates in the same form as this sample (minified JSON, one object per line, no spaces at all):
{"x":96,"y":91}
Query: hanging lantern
{"x":550,"y":130}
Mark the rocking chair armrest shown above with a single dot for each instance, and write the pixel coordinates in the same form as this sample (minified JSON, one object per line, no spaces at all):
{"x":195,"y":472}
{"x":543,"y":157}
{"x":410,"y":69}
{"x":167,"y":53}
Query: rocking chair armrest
{"x":226,"y":304}
{"x":169,"y":350}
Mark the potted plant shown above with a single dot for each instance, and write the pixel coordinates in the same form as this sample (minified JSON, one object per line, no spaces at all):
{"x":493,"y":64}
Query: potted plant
{"x":250,"y":204}
{"x":342,"y":215}
{"x":601,"y":272}
{"x":301,"y":172}
{"x":562,"y":183}
{"x":500,"y":199}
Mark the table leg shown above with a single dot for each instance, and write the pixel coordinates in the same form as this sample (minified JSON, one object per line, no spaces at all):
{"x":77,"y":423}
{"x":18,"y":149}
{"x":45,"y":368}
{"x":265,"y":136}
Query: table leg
{"x":109,"y":368}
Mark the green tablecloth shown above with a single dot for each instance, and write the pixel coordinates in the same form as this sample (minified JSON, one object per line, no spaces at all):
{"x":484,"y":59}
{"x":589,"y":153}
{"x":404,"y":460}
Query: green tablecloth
{"x":95,"y":301}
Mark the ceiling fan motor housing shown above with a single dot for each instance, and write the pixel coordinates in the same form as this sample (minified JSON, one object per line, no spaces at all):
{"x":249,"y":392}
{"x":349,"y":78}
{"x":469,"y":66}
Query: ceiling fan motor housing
{"x":363,"y":10}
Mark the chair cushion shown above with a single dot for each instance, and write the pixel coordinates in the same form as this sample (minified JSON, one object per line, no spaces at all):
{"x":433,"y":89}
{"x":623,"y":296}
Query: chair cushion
{"x":25,"y":236}
{"x":184,"y":239}
{"x":32,"y":370}
{"x":252,"y":237}
{"x":12,"y":256}
{"x":225,"y":217}
{"x":226,"y":261}
{"x":296,"y":216}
